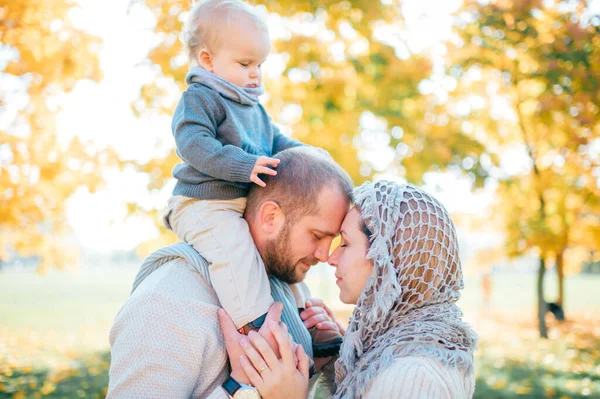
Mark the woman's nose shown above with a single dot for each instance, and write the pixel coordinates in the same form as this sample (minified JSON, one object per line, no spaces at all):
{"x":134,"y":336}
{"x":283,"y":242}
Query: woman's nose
{"x":332,"y":260}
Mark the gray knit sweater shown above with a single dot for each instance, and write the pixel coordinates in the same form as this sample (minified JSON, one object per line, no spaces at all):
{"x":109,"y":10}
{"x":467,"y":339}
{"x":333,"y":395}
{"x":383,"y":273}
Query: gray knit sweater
{"x":166,"y":341}
{"x":220,"y":130}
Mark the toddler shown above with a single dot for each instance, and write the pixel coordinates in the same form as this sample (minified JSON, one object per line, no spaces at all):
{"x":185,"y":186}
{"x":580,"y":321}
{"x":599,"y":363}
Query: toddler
{"x":226,"y":141}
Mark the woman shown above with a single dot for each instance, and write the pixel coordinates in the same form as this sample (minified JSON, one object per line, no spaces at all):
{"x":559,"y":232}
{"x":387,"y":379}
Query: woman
{"x":398,"y":262}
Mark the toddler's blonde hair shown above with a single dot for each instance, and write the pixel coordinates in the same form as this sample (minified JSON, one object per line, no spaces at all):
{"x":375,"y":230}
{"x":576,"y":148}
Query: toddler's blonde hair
{"x":209,"y":17}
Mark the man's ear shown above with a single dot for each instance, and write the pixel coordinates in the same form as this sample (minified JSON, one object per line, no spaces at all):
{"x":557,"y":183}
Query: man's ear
{"x":271,"y":218}
{"x":205,"y":59}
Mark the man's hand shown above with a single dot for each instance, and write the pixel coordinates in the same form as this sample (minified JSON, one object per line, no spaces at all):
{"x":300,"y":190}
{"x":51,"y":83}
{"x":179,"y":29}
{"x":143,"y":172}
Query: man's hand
{"x":266,"y":332}
{"x":233,"y":338}
{"x":260,"y":167}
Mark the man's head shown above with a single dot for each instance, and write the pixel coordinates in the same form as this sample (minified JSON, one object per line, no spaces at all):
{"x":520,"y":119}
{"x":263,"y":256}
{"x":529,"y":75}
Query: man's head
{"x":296,"y":216}
{"x":229,"y":39}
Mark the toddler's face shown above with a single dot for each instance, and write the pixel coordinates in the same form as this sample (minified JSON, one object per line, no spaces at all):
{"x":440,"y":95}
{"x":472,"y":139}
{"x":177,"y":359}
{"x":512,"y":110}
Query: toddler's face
{"x":240,"y":55}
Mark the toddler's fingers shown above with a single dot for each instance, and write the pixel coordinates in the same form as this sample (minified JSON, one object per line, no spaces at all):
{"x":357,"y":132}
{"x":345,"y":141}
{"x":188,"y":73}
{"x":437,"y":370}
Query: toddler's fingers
{"x":267,"y":161}
{"x":264,"y":170}
{"x":257,"y":180}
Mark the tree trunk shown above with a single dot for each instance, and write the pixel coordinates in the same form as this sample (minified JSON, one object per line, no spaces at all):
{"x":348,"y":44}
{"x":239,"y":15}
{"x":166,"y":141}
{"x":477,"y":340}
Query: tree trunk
{"x":560,"y":274}
{"x":542,"y":307}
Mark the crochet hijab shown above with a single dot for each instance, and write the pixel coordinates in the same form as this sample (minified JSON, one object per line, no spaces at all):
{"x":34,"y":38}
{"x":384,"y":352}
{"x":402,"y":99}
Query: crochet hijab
{"x":408,"y":306}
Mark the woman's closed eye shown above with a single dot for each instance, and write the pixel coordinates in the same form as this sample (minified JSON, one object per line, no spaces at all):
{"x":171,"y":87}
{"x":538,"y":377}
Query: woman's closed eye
{"x":244,"y":64}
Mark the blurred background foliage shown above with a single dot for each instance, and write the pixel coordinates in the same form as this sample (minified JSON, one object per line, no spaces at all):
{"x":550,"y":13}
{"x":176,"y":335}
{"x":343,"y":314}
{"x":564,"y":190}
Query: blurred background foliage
{"x":509,"y":100}
{"x":37,"y":171}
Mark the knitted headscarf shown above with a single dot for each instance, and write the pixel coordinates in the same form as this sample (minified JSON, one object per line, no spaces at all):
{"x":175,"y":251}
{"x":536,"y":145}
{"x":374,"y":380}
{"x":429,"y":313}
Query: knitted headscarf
{"x":408,"y":306}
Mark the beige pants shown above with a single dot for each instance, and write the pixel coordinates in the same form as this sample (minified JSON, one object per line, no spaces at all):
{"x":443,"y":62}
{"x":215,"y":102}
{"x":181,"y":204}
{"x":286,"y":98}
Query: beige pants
{"x":301,"y":294}
{"x":218,"y":231}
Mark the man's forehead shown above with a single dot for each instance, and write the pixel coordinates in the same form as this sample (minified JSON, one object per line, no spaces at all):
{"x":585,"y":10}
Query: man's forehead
{"x":327,"y":226}
{"x":331,"y":200}
{"x":332,"y":207}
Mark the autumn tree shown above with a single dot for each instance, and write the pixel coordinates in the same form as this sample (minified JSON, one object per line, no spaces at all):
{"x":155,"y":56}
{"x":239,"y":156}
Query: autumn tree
{"x":42,"y":54}
{"x":528,"y":87}
{"x":341,"y":61}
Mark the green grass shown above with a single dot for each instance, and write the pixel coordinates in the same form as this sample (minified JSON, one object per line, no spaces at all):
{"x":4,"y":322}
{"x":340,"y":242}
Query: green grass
{"x":54,"y":335}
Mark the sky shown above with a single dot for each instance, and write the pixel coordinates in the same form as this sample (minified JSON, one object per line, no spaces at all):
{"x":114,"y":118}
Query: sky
{"x":102,"y":113}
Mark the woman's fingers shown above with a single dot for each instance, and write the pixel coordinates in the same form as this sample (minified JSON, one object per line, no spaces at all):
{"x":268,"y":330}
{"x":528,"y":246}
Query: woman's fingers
{"x":315,"y":315}
{"x":279,"y":330}
{"x":327,"y":325}
{"x":254,"y":376}
{"x":309,"y":312}
{"x":314,"y":302}
{"x":316,"y":319}
{"x":293,"y":346}
{"x":302,"y":361}
{"x":264,"y":349}
{"x":314,"y":307}
{"x":252,"y":354}
{"x":319,"y":302}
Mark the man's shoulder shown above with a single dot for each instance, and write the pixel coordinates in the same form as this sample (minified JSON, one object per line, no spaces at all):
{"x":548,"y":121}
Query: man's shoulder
{"x":174,"y":290}
{"x":166,"y":338}
{"x":177,"y":278}
{"x":172,"y":295}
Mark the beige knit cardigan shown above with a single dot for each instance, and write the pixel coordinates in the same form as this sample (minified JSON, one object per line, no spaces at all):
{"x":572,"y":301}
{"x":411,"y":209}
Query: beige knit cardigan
{"x":421,"y":377}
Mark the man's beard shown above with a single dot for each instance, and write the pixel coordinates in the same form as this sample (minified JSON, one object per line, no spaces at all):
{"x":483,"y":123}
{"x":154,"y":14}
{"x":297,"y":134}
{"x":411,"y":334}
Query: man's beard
{"x":277,"y":259}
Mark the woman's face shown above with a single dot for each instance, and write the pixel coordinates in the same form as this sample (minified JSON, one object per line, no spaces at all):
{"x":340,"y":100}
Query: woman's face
{"x":350,"y":259}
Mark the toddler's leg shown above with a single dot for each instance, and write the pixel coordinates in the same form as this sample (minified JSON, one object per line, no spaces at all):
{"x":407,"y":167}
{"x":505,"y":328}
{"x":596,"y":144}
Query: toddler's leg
{"x":217,"y":230}
{"x":301,"y":294}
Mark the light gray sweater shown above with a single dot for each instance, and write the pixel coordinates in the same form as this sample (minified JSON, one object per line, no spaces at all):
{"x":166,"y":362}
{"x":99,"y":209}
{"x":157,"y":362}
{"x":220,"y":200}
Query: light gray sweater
{"x":411,"y":377}
{"x":417,"y":377}
{"x":166,"y":341}
{"x":220,"y":130}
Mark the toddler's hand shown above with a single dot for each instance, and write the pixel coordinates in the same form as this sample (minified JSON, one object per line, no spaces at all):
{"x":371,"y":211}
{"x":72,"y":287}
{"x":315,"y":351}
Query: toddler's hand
{"x":260,"y":167}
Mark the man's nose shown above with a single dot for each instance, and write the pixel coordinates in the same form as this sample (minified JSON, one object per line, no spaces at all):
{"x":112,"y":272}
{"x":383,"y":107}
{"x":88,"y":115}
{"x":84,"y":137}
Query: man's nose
{"x":322,"y":252}
{"x":320,"y":255}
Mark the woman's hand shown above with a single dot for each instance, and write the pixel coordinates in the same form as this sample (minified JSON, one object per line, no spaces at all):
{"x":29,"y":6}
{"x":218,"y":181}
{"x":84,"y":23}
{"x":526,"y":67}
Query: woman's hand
{"x":275,"y":378}
{"x":318,"y":315}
